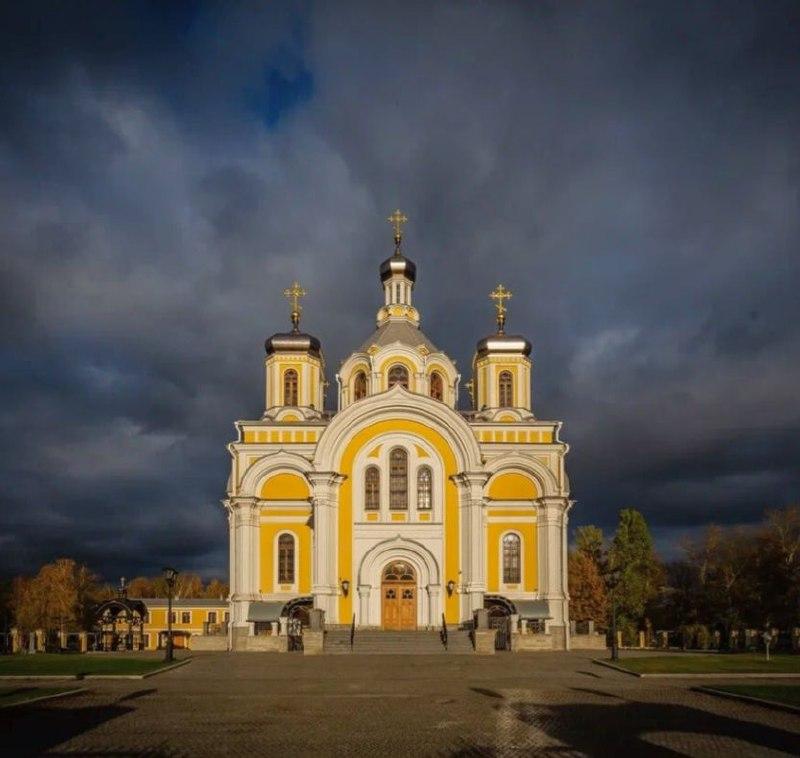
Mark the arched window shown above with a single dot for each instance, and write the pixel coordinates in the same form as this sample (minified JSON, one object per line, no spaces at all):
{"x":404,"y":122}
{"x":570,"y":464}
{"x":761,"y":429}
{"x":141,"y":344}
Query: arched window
{"x":424,"y":488}
{"x":398,"y":479}
{"x":506,"y":389}
{"x":286,"y":559}
{"x":398,"y":375}
{"x":372,"y":489}
{"x":437,"y":386}
{"x":290,"y":387}
{"x":360,"y":386}
{"x":511,"y":559}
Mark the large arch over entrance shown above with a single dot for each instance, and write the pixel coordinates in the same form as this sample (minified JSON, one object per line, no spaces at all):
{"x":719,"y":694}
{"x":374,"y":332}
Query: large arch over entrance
{"x":426,"y":582}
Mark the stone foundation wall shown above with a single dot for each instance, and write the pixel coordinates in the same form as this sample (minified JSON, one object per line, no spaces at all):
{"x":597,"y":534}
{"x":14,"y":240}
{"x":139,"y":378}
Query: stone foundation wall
{"x":588,"y":641}
{"x":208,"y":642}
{"x":260,"y":643}
{"x":523,"y":643}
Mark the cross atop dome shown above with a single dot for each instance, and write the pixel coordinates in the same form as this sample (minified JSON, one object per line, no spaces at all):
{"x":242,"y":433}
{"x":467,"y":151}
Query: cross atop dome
{"x":293,"y":295}
{"x":499,"y":295}
{"x":397,"y":219}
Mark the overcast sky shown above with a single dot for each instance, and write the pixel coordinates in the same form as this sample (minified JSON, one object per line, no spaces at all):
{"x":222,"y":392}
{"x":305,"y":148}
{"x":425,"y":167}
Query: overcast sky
{"x":630,"y":171}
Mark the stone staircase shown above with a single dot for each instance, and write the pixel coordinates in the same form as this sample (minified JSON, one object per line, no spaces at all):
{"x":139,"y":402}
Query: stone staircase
{"x":379,"y":642}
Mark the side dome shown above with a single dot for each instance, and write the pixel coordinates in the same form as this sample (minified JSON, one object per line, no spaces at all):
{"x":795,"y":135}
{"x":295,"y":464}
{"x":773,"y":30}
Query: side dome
{"x":503,"y":343}
{"x":398,"y":264}
{"x":293,"y":342}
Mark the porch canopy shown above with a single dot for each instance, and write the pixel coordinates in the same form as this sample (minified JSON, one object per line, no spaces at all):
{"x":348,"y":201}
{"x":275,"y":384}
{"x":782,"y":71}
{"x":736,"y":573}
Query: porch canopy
{"x":533,"y":609}
{"x":265,"y":611}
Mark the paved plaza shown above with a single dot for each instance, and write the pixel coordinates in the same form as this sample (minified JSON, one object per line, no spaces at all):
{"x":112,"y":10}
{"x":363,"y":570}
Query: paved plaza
{"x":503,"y":705}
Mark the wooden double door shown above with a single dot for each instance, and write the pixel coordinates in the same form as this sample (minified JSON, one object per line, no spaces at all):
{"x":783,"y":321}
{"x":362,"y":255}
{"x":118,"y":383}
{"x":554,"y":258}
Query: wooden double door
{"x":399,"y":597}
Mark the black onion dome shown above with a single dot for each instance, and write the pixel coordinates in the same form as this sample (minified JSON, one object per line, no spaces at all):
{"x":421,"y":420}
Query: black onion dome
{"x":503,"y":343}
{"x":398,"y":264}
{"x":293,"y":342}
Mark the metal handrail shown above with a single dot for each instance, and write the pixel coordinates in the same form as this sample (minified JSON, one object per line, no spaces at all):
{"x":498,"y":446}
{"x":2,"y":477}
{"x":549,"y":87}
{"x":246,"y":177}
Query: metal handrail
{"x":443,"y":633}
{"x":352,"y":632}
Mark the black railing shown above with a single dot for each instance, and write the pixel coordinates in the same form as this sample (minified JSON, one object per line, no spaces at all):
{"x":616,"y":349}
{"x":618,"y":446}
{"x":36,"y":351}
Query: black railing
{"x":352,"y":632}
{"x":443,"y":633}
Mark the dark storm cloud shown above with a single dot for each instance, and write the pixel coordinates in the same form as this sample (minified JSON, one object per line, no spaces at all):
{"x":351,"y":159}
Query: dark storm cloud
{"x":630,"y":171}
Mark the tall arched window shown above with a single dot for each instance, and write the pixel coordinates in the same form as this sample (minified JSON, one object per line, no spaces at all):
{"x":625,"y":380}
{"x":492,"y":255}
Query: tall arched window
{"x":290,"y":387}
{"x":398,"y":479}
{"x":512,"y":567}
{"x":506,"y":389}
{"x":286,"y":559}
{"x":437,"y":386}
{"x":398,"y":375}
{"x":424,"y":488}
{"x":372,"y":489}
{"x":360,"y":386}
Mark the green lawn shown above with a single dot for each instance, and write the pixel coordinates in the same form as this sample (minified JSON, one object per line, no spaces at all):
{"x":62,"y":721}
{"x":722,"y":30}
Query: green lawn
{"x":17,"y":695}
{"x":788,"y":694}
{"x":720,"y":663}
{"x":53,"y":664}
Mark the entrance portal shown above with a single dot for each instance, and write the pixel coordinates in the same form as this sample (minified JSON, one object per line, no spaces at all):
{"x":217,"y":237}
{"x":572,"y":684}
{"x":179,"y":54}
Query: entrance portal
{"x":399,"y":596}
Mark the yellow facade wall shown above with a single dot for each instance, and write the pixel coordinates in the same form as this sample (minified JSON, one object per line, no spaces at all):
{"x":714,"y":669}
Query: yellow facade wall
{"x":157,"y":621}
{"x":512,"y":486}
{"x":285,"y":486}
{"x":363,"y":439}
{"x":494,"y":533}
{"x":268,"y":539}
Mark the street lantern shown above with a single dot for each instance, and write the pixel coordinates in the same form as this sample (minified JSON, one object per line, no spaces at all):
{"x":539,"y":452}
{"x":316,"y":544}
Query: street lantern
{"x":612,"y":580}
{"x":170,"y":575}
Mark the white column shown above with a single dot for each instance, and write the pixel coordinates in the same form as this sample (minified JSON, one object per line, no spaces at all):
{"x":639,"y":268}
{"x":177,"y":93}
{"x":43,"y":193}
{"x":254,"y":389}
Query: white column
{"x":435,"y":604}
{"x":243,"y":520}
{"x":325,"y":584}
{"x":473,"y":539}
{"x":551,"y":530}
{"x":363,"y":604}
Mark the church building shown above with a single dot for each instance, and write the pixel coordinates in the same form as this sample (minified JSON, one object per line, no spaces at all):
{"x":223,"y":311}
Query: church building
{"x":400,"y":509}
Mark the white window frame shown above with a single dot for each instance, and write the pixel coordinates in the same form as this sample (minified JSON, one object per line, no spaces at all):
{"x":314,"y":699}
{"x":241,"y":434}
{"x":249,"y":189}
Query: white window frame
{"x":409,"y":443}
{"x":278,"y":586}
{"x":520,"y":586}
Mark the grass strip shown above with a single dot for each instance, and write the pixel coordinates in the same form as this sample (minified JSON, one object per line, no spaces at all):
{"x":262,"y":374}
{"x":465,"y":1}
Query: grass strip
{"x":781,"y":694}
{"x":720,"y":663}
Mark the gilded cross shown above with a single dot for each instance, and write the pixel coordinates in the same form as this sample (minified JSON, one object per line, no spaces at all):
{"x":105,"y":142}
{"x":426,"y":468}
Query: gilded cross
{"x":499,"y":295}
{"x":293,"y":295}
{"x":397,"y":219}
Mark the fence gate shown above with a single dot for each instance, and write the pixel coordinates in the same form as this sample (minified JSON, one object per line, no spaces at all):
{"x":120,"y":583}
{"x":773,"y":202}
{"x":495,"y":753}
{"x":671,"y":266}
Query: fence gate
{"x":500,"y":620}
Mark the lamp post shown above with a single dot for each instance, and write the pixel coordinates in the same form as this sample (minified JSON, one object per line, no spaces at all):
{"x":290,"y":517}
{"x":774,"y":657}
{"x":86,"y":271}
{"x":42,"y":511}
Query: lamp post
{"x":612,"y":580}
{"x":170,"y":574}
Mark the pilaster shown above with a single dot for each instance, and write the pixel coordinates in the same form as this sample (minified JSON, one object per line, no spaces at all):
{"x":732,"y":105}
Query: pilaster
{"x":552,"y":544}
{"x":325,"y":500}
{"x":243,"y":525}
{"x":473,"y":538}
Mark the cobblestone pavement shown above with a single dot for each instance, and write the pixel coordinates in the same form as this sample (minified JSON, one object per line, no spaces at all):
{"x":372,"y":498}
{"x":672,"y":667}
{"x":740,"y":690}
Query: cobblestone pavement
{"x":504,"y":705}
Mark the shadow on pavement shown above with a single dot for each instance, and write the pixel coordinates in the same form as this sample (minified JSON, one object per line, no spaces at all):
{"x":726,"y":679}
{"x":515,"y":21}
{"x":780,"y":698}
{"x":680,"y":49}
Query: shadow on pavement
{"x":622,"y":729}
{"x":37,"y":728}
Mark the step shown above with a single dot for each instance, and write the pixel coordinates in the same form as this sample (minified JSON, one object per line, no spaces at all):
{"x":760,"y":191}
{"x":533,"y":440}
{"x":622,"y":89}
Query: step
{"x":378,"y":642}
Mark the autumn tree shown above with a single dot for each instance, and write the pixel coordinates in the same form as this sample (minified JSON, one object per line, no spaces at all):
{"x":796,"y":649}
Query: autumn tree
{"x":217,"y":590}
{"x":779,"y":577}
{"x":587,"y":590}
{"x":59,"y":597}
